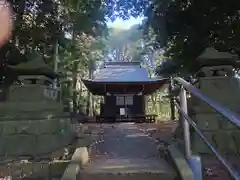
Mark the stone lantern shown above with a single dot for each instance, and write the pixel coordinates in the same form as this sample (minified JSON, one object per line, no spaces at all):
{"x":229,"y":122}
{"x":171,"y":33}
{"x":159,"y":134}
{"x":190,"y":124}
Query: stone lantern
{"x":216,"y":80}
{"x":32,"y":120}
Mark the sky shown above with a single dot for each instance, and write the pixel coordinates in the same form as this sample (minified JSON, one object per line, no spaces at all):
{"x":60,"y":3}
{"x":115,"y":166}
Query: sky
{"x":124,"y":24}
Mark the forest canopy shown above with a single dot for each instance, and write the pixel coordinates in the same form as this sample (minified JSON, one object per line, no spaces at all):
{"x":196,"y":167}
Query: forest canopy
{"x":182,"y":28}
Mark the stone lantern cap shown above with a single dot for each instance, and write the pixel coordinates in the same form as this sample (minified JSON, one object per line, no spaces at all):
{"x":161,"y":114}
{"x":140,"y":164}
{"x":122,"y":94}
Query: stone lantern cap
{"x":213,"y":57}
{"x":36,"y":67}
{"x":215,"y":63}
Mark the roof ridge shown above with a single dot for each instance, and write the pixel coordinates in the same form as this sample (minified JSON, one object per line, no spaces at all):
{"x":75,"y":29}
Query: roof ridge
{"x":123,"y":63}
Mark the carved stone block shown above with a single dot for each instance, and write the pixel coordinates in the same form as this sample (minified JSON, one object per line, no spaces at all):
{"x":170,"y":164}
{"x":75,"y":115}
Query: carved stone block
{"x":218,"y":130}
{"x":207,"y":121}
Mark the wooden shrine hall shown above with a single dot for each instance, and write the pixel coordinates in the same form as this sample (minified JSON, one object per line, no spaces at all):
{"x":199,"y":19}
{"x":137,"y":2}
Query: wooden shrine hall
{"x":123,"y":86}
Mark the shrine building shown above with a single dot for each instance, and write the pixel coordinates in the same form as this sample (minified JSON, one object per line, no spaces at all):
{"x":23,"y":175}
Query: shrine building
{"x":124,"y":86}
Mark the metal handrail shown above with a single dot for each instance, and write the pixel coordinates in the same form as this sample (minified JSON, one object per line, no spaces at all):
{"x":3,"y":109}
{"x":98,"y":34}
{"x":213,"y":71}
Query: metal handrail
{"x":186,"y":121}
{"x":232,"y":116}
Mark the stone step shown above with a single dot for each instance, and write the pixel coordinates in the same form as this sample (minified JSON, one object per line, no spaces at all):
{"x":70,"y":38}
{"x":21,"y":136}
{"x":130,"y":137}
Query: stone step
{"x":125,"y":176}
{"x":128,"y":169}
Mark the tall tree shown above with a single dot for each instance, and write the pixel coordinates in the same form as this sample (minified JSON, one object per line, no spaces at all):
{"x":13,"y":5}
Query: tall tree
{"x":185,"y":27}
{"x":124,"y":45}
{"x":85,"y":54}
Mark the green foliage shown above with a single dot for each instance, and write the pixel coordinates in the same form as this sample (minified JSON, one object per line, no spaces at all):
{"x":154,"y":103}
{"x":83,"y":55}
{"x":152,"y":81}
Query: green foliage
{"x":133,"y":45}
{"x":124,"y":45}
{"x":78,"y":61}
{"x":85,"y":52}
{"x":186,"y":27}
{"x":40,"y":25}
{"x":125,"y":8}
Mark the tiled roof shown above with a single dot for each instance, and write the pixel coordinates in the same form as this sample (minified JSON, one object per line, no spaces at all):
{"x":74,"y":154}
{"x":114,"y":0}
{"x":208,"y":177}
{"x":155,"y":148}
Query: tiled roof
{"x":122,"y":72}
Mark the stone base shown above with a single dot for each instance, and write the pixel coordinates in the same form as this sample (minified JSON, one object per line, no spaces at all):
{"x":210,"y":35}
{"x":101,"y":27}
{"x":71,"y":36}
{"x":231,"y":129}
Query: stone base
{"x":223,"y":138}
{"x":226,"y":142}
{"x":33,"y":138}
{"x":218,"y":131}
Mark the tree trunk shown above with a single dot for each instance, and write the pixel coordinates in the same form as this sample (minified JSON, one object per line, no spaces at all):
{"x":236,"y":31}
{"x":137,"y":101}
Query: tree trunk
{"x":90,"y":102}
{"x":74,"y":77}
{"x":56,"y":61}
{"x":93,"y":105}
{"x":172,"y":106}
{"x":74,"y":87}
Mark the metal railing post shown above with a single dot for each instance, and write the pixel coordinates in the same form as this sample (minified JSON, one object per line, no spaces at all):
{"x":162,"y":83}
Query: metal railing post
{"x":186,"y":121}
{"x":185,"y":124}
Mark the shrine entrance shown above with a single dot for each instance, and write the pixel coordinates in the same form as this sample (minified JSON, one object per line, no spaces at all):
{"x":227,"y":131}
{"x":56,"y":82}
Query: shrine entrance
{"x":124,"y":103}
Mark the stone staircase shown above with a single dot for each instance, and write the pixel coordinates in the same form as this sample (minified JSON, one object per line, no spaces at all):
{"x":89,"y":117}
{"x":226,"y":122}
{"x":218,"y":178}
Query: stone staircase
{"x":126,"y":153}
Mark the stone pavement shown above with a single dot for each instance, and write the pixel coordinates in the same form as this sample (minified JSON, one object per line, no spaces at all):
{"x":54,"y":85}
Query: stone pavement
{"x":126,"y":152}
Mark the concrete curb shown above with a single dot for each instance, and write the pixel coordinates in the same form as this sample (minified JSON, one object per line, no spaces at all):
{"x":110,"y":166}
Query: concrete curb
{"x":179,"y":163}
{"x":79,"y":159}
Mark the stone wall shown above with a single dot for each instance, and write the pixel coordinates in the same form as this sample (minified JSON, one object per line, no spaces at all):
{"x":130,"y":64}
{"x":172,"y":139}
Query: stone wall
{"x":32,"y":122}
{"x":33,"y":138}
{"x":220,"y":132}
